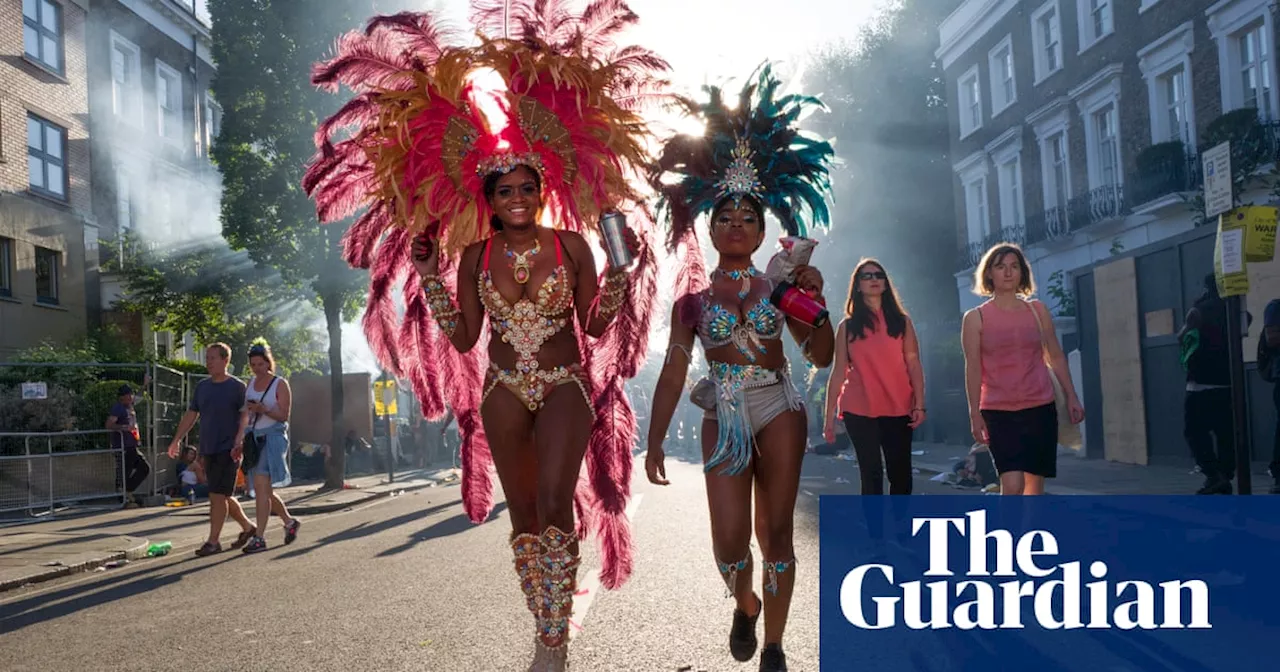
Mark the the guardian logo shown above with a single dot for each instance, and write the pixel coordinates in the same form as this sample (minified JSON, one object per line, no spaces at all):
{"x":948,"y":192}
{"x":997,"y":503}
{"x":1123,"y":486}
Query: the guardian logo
{"x":971,"y":604}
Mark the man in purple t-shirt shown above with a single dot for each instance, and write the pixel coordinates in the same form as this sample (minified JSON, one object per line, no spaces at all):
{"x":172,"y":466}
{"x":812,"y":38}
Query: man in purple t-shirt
{"x":124,"y":421}
{"x":219,"y":404}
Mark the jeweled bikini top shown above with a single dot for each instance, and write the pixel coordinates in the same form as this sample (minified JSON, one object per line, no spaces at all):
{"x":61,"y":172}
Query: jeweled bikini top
{"x":719,"y":326}
{"x":528,"y":323}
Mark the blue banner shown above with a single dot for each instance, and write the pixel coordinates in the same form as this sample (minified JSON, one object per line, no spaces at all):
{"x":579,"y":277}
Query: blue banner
{"x":1050,"y":584}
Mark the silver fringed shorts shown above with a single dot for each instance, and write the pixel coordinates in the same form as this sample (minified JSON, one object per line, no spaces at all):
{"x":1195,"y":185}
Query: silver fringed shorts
{"x":747,"y":398}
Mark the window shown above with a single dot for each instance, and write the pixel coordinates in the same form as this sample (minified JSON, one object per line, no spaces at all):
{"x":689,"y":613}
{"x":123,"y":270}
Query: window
{"x":124,"y":201}
{"x":46,"y":157}
{"x":42,"y":33}
{"x":6,"y":267}
{"x":1098,"y":99}
{"x":126,"y":83}
{"x":168,"y":102}
{"x":970,"y":102}
{"x":1046,"y":34}
{"x":1255,"y":71}
{"x":48,"y":270}
{"x":1096,"y":21}
{"x":1244,"y":31}
{"x":1164,"y":65}
{"x":1173,"y":97}
{"x":1108,"y":149}
{"x":972,"y":172}
{"x":1058,"y":182}
{"x":1003,"y":89}
{"x":212,"y":120}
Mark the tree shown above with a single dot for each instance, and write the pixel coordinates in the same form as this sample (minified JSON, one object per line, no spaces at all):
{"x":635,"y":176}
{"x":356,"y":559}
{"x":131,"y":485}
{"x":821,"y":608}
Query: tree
{"x":265,"y":50}
{"x":216,"y":294}
{"x":894,"y":194}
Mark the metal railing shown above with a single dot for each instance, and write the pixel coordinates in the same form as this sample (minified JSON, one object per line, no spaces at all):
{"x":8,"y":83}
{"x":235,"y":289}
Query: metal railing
{"x":41,"y":470}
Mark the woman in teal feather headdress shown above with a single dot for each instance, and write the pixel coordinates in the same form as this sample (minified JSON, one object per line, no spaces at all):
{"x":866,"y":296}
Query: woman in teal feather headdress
{"x":752,"y":160}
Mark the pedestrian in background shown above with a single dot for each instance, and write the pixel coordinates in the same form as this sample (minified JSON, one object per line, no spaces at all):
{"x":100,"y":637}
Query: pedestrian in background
{"x":219,"y":405}
{"x":123,"y":421}
{"x":1269,"y":370}
{"x":876,"y":386}
{"x":269,"y":400}
{"x":1007,"y":379}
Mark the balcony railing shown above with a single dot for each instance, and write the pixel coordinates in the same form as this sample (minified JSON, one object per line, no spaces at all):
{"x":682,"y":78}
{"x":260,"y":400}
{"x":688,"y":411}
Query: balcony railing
{"x":972,"y":252}
{"x":1176,"y":175}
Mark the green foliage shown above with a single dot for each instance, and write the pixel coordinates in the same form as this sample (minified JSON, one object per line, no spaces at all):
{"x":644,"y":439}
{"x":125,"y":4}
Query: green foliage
{"x":1063,"y":295}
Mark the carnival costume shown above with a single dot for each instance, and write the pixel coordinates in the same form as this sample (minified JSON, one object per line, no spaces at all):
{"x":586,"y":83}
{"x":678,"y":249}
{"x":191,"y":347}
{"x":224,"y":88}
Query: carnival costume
{"x":754,"y":151}
{"x":423,"y":134}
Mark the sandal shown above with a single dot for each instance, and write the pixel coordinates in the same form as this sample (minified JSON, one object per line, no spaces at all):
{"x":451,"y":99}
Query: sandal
{"x":245,"y":537}
{"x":742,"y":636}
{"x":208,"y":549}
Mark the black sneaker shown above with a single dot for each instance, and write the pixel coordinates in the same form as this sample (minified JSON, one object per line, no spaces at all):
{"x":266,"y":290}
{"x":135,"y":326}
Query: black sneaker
{"x":291,"y":531}
{"x":772,"y":659}
{"x":1275,"y":487}
{"x":256,"y":545}
{"x":1215,"y":486}
{"x":742,"y":636}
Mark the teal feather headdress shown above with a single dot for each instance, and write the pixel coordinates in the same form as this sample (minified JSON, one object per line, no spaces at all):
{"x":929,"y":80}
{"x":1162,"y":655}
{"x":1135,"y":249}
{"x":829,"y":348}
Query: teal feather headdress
{"x":755,"y":151}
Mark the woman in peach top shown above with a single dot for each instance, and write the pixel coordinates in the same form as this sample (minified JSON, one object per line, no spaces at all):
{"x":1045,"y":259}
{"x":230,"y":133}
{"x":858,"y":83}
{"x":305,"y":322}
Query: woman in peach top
{"x":1011,"y":398}
{"x":876,"y":384}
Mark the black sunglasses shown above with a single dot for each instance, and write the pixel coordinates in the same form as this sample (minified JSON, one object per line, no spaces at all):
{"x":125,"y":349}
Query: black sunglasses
{"x":873,"y":275}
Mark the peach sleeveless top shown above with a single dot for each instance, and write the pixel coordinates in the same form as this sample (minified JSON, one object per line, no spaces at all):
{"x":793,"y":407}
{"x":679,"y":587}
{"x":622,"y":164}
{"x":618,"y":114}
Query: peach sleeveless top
{"x":876,"y":383}
{"x":1014,"y":375}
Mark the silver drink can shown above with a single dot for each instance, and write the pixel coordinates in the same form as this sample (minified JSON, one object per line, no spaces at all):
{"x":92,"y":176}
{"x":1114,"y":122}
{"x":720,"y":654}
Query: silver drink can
{"x":612,"y":226}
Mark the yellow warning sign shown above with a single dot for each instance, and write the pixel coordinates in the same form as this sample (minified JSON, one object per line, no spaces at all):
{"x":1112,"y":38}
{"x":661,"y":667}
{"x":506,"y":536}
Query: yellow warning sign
{"x":384,"y":397}
{"x":1260,"y":232}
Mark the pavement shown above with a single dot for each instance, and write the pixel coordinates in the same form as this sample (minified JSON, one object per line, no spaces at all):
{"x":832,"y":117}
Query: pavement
{"x":33,"y":553}
{"x":410,"y":583}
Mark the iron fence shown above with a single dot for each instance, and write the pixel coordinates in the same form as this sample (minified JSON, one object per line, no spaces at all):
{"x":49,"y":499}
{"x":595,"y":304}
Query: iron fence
{"x":41,"y":470}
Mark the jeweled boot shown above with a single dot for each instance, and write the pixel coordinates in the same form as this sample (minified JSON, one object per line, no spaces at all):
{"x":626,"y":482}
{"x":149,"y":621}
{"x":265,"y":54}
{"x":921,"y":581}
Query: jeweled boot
{"x":559,"y":567}
{"x":527,"y":549}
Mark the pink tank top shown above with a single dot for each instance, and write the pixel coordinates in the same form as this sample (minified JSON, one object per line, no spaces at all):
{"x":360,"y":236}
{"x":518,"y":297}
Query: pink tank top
{"x":1014,"y":375}
{"x":876,"y":382}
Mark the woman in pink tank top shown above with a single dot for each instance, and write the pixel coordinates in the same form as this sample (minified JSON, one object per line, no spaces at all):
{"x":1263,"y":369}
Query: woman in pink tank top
{"x":1011,"y":395}
{"x":877,"y":384}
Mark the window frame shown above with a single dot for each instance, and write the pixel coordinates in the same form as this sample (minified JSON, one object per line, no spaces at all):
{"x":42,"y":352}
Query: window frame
{"x":1005,"y":151}
{"x":42,"y":32}
{"x":174,"y":78}
{"x":1039,"y":47}
{"x":1156,"y":61}
{"x":6,"y":266}
{"x":134,"y":116}
{"x":969,"y":98}
{"x":55,"y":275}
{"x":1085,"y":23}
{"x":997,"y":73}
{"x":1048,"y":129}
{"x":1227,"y":19}
{"x":972,"y":172}
{"x":43,"y":155}
{"x":1100,"y":90}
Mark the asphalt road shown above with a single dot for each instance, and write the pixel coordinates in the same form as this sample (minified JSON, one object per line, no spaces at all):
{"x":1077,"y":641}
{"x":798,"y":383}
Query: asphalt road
{"x":408,"y":583}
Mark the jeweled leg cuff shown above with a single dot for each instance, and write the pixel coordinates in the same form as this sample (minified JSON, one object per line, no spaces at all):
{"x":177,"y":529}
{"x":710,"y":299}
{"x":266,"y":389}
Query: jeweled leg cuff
{"x":559,"y":568}
{"x":729,"y":572}
{"x":771,"y":572}
{"x":527,"y":549}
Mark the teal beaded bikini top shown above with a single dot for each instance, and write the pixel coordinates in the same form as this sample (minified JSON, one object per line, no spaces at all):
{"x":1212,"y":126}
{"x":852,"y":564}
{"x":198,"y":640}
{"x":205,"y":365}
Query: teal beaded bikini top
{"x":719,"y":326}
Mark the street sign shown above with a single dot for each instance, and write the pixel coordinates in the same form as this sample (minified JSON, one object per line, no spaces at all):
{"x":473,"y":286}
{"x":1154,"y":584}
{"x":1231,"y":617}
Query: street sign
{"x":1217,"y":180}
{"x":384,"y":397}
{"x":1228,"y":256}
{"x":35,"y":391}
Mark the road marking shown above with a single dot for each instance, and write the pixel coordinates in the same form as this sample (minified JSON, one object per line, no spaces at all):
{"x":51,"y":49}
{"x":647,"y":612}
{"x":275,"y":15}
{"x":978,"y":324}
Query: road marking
{"x":590,"y":585}
{"x":809,"y":493}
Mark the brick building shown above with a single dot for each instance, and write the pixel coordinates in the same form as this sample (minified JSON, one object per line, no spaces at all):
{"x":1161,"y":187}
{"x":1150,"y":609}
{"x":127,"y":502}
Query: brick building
{"x":153,"y":120}
{"x":48,"y":237}
{"x":1076,"y":131}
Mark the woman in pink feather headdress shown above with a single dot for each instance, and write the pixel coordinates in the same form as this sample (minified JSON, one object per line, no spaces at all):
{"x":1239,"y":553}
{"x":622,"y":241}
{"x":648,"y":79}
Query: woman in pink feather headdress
{"x":486,"y":170}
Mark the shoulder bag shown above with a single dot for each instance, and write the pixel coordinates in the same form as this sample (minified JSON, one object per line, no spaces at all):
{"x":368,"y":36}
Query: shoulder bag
{"x":1068,"y":433}
{"x":254,"y":444}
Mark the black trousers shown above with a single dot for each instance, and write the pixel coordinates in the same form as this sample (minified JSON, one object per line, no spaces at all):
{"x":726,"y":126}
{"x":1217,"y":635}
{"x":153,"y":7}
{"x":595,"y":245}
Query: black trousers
{"x":1207,"y":417}
{"x":874,"y":437}
{"x":136,"y":469}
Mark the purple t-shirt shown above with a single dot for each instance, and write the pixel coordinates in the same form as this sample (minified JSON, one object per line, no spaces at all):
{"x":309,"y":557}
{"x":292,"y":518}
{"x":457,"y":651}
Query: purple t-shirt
{"x":124,"y":415}
{"x":219,"y":406}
